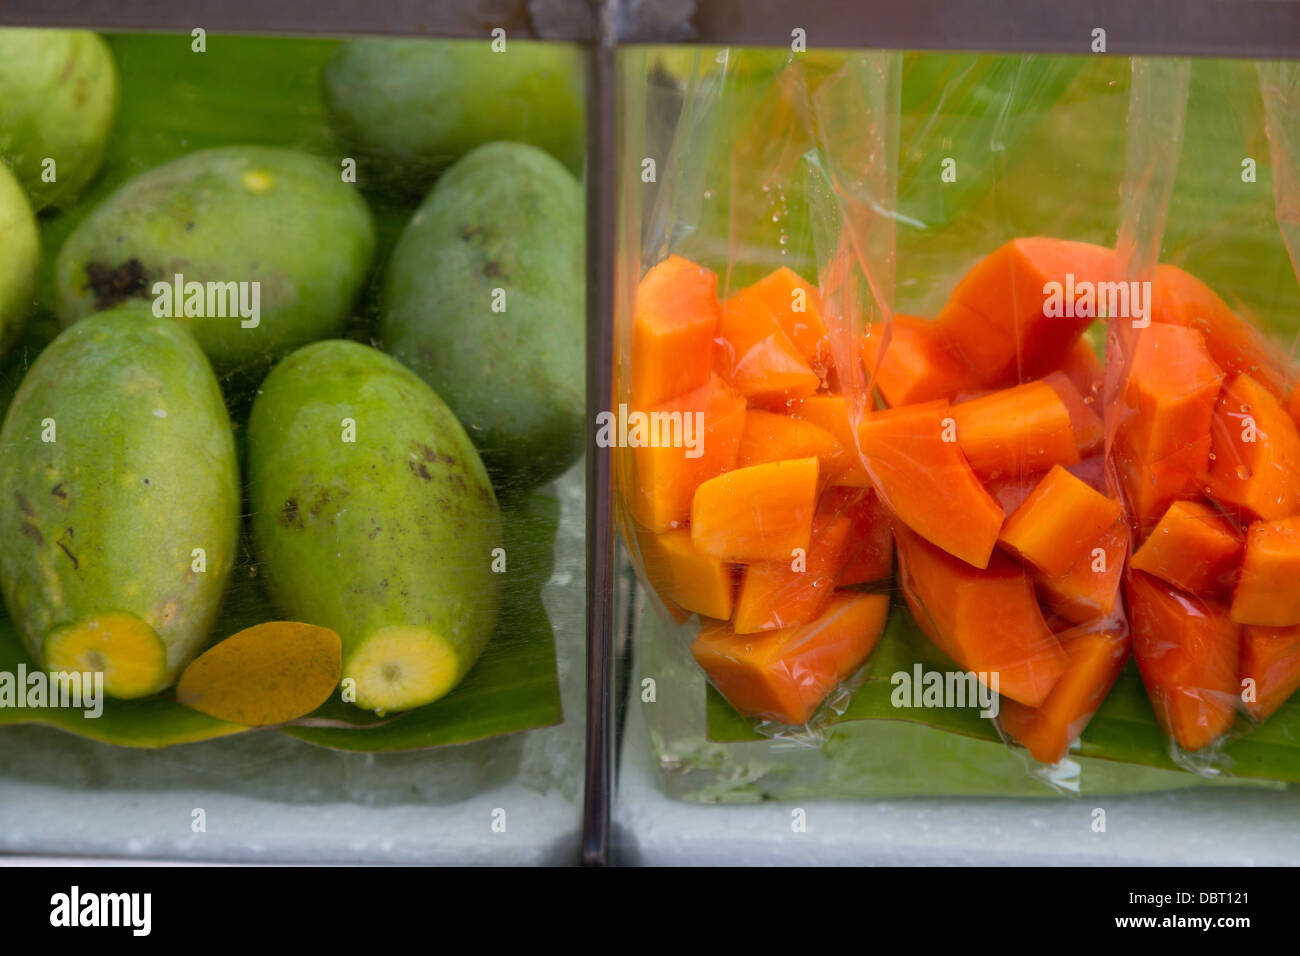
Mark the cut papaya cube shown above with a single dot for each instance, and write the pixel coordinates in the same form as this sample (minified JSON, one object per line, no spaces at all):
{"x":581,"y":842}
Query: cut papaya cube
{"x":1084,"y":370}
{"x":784,"y":675}
{"x":1293,"y":406}
{"x":831,"y":413}
{"x":1000,"y":317}
{"x":1151,"y":487}
{"x":796,"y":306}
{"x":775,"y":594}
{"x":926,"y":481}
{"x":771,"y":437}
{"x":755,"y":356}
{"x":664,"y":477}
{"x":1094,"y":660}
{"x":912,"y":362}
{"x":1179,"y":298}
{"x":1011,"y":491}
{"x":1089,"y":431}
{"x":1170,"y":394}
{"x":1016,"y":430}
{"x":1254,"y":466}
{"x":988,"y":621}
{"x":759,"y":513}
{"x":1089,"y":590}
{"x":1268,"y":588}
{"x":1271,"y":658}
{"x":674,"y":324}
{"x":694,"y":582}
{"x":1186,"y":649}
{"x":1194,"y":548}
{"x":871,"y":543}
{"x":1059,"y":522}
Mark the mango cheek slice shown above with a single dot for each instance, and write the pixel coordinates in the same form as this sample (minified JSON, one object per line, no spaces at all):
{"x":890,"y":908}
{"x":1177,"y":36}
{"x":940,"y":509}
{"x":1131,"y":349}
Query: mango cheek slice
{"x":266,"y":674}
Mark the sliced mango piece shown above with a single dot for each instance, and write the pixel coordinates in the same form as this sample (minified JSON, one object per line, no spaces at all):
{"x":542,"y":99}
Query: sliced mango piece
{"x":1268,"y":589}
{"x":759,"y":513}
{"x":694,"y":582}
{"x":1254,"y":468}
{"x":1059,"y":522}
{"x":1270,"y":657}
{"x":1194,"y":548}
{"x":1016,"y":430}
{"x":674,"y":324}
{"x":784,"y":675}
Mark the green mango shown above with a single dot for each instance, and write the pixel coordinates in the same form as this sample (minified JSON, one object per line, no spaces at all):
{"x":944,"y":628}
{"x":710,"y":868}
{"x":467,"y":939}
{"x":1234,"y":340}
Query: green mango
{"x":58,"y":99}
{"x":20,"y":255}
{"x":120,"y":501}
{"x":227,"y":218}
{"x":373,"y":516}
{"x":406,"y":109}
{"x":484,"y":298}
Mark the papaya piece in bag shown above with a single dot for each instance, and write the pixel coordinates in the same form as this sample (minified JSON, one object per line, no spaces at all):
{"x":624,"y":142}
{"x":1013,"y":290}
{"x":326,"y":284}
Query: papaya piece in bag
{"x":755,"y":356}
{"x":675,"y":321}
{"x":1089,"y":589}
{"x":1016,"y":430}
{"x":1062,"y":517}
{"x":1194,"y":548}
{"x":871,"y":542}
{"x":1270,"y":658}
{"x":831,"y":413}
{"x":760,"y":513}
{"x":915,"y":364}
{"x":1268,"y":588}
{"x":1254,"y":468}
{"x":796,"y":306}
{"x":692,"y":581}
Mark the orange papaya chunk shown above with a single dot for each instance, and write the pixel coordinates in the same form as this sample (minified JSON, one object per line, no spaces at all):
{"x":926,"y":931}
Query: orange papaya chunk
{"x":784,"y":675}
{"x":755,"y":356}
{"x":760,"y":513}
{"x":1194,"y":548}
{"x":1179,"y":298}
{"x":871,"y":542}
{"x":772,"y":437}
{"x":1254,"y":466}
{"x":1059,"y":522}
{"x":796,"y":306}
{"x":1094,"y":660}
{"x":680,"y":574}
{"x":1151,"y":487}
{"x":913,"y":362}
{"x":831,"y":413}
{"x":1186,"y":649}
{"x":926,"y":481}
{"x":1170,"y":394}
{"x":1268,"y":588}
{"x":664,"y":477}
{"x":1293,"y":406}
{"x":1089,"y":431}
{"x":988,"y":621}
{"x":1271,"y":658}
{"x":1002,"y":316}
{"x":1089,"y":590}
{"x":1084,"y":370}
{"x":775,"y":594}
{"x":673,"y":327}
{"x":1016,"y":430}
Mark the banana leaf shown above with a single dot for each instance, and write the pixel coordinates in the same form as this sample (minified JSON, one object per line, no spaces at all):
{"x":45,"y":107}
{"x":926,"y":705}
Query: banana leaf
{"x":267,"y":91}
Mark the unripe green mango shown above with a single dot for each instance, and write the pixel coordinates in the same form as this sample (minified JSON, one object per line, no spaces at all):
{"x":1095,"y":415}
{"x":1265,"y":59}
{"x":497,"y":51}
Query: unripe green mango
{"x":239,"y":214}
{"x":406,"y":109}
{"x":121,"y":501}
{"x":373,"y":516}
{"x":58,"y":99}
{"x":484,"y":297}
{"x":20,"y":254}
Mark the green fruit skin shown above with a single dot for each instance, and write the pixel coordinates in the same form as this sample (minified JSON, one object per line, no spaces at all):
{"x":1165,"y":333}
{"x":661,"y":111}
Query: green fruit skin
{"x":20,"y":255}
{"x":507,"y":216}
{"x":142,"y":471}
{"x":395,"y":528}
{"x":408,"y":108}
{"x":58,"y":99}
{"x":233,"y":214}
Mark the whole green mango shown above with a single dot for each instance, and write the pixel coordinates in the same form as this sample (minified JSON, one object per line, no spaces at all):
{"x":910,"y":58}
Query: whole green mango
{"x":373,"y":516}
{"x":20,"y":254}
{"x":484,"y":298}
{"x":256,"y":250}
{"x":58,"y":99}
{"x":121,"y":501}
{"x":408,"y":108}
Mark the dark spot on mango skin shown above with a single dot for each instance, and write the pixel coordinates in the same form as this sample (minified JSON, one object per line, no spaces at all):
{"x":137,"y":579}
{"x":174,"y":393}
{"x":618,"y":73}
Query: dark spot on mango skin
{"x":32,"y":532}
{"x":289,"y":516}
{"x":61,"y":493}
{"x":113,"y":285}
{"x":419,"y":470}
{"x":67,"y":533}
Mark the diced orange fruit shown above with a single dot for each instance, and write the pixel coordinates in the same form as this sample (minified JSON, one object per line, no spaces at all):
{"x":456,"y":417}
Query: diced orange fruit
{"x":663,"y":478}
{"x":1268,"y":589}
{"x":1186,"y":648}
{"x":1194,"y":548}
{"x":760,"y":513}
{"x":756,"y":356}
{"x":1151,"y":487}
{"x":988,"y":621}
{"x":784,"y":675}
{"x":693,"y":581}
{"x":1094,"y":660}
{"x":1255,"y":453}
{"x":1059,"y":522}
{"x":796,"y":306}
{"x":871,"y":543}
{"x":831,"y":413}
{"x":927,"y":482}
{"x":912,"y":362}
{"x":1084,"y":369}
{"x":1271,"y":658}
{"x":1089,"y":431}
{"x":675,"y":321}
{"x":1089,"y":590}
{"x":1016,"y":430}
{"x":772,"y":437}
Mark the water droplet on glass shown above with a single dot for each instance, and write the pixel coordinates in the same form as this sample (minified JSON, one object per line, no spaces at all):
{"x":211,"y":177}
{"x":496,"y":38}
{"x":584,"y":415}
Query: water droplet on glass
{"x":1243,"y":473}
